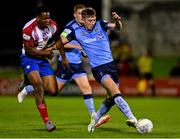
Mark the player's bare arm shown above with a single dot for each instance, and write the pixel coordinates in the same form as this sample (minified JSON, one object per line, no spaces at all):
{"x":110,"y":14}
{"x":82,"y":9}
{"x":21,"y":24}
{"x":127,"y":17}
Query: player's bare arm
{"x":117,"y":24}
{"x":35,"y":52}
{"x":60,"y":47}
{"x":69,"y":45}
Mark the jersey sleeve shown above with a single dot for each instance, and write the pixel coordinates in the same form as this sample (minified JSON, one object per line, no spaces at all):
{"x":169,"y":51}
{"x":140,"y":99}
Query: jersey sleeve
{"x":104,"y":24}
{"x":27,"y":38}
{"x":69,"y":33}
{"x":71,"y":36}
{"x":54,"y":27}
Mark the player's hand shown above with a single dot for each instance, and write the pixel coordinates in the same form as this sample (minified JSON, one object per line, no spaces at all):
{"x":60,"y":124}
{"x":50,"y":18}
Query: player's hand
{"x":49,"y":49}
{"x":51,"y":55}
{"x":83,"y":53}
{"x":65,"y":63}
{"x":115,"y":16}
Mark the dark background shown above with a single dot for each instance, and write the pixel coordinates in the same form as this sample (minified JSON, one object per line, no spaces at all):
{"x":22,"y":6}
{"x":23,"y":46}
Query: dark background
{"x":14,"y":14}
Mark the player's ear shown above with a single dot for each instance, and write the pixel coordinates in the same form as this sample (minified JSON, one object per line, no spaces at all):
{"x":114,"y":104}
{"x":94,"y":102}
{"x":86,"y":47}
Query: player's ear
{"x":83,"y":19}
{"x":37,"y":18}
{"x":74,"y":15}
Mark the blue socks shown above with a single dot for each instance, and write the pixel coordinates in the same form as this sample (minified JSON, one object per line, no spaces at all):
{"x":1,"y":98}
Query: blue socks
{"x":29,"y":89}
{"x":89,"y":102}
{"x":123,"y":106}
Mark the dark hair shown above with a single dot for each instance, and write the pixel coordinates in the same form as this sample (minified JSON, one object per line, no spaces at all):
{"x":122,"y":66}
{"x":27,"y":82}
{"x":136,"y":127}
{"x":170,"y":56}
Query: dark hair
{"x":41,"y":9}
{"x":88,"y":12}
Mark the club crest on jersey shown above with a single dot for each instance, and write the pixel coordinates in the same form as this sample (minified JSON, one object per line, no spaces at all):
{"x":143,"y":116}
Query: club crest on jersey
{"x":62,"y":75}
{"x":28,"y":67}
{"x":96,"y":30}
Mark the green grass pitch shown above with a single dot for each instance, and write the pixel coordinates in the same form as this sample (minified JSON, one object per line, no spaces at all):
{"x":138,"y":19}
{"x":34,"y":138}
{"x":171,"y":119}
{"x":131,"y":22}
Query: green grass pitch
{"x":71,"y":118}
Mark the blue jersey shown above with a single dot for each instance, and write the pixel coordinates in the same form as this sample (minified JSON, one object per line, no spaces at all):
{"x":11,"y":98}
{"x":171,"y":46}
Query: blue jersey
{"x":73,"y":55}
{"x":94,"y":42}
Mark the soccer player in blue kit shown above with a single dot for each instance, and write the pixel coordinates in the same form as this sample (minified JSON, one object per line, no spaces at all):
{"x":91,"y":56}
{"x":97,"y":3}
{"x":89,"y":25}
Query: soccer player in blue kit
{"x":94,"y":41}
{"x":75,"y":70}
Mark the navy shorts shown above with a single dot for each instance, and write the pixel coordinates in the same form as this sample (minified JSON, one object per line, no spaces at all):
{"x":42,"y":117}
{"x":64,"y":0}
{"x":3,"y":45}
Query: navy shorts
{"x":34,"y":64}
{"x":67,"y":74}
{"x":108,"y":69}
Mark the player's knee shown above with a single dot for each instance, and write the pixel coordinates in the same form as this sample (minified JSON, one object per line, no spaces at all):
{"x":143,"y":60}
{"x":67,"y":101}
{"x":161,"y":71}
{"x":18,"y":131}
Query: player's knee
{"x":109,"y":102}
{"x":53,"y":92}
{"x":86,"y":88}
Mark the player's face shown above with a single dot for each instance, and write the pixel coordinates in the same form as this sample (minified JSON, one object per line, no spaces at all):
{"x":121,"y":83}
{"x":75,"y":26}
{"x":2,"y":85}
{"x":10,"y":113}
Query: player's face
{"x":44,"y":19}
{"x":78,"y":16}
{"x":89,"y":22}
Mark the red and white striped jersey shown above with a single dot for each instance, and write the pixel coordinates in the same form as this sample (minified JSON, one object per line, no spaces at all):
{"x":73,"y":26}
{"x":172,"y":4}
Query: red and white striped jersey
{"x":36,"y":37}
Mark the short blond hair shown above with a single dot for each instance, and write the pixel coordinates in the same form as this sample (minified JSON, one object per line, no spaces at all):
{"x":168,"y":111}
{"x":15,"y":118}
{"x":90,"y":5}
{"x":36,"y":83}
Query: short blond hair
{"x":79,"y":6}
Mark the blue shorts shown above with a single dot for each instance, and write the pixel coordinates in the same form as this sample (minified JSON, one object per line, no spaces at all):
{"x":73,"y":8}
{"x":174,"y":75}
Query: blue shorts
{"x":34,"y":64}
{"x":102,"y":71}
{"x":67,"y":74}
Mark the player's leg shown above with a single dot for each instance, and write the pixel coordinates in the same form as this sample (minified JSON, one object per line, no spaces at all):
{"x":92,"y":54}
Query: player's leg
{"x":32,"y":69}
{"x":37,"y":84}
{"x":60,"y":85}
{"x":23,"y":83}
{"x":23,"y":93}
{"x":83,"y":83}
{"x":96,"y":121}
{"x":106,"y":105}
{"x":84,"y":86}
{"x":81,"y":79}
{"x":109,"y":84}
{"x":62,"y":76}
{"x":48,"y":80}
{"x":50,"y":85}
{"x":99,"y":74}
{"x":108,"y":77}
{"x":24,"y":88}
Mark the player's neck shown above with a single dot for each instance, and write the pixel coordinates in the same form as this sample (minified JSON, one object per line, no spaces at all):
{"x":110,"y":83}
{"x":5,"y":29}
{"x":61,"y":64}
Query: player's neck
{"x":78,"y":23}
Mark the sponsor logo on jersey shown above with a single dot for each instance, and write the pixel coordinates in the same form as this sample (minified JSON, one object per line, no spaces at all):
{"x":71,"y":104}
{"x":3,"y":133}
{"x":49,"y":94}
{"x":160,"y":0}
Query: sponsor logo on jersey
{"x":62,"y":75}
{"x":28,"y":67}
{"x":100,"y":36}
{"x":96,"y":30}
{"x":101,"y":73}
{"x":90,"y":40}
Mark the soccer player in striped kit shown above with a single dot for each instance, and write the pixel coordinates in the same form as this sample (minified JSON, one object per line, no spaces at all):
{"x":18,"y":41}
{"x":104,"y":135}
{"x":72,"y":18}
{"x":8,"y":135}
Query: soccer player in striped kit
{"x":37,"y":69}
